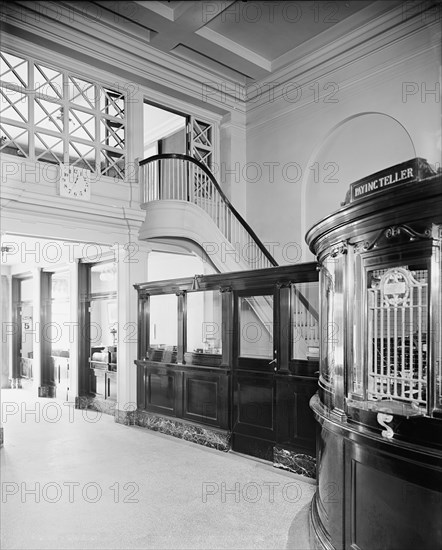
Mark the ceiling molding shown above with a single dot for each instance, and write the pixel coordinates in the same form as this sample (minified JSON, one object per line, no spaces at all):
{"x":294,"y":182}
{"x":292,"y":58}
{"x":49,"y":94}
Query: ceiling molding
{"x":263,"y":113}
{"x":216,"y":67}
{"x":159,"y":8}
{"x":235,"y":48}
{"x":172,"y":13}
{"x":377,"y":35}
{"x":128,"y":53}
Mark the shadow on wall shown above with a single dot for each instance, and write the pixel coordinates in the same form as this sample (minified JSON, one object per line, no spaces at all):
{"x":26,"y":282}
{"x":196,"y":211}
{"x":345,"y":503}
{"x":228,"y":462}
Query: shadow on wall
{"x":357,"y":147}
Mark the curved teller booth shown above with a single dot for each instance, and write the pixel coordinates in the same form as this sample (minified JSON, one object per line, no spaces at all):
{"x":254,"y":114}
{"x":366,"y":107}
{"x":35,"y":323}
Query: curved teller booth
{"x":379,"y":403}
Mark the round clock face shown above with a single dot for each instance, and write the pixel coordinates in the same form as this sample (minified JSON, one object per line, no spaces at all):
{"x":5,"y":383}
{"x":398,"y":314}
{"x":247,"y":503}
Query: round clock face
{"x":74,"y":183}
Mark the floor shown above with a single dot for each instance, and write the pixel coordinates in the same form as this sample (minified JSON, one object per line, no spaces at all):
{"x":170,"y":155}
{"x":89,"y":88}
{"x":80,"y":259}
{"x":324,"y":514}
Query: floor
{"x":76,"y":479}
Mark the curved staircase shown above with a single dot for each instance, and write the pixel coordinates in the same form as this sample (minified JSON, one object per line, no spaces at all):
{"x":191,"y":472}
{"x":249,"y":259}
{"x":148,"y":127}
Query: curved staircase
{"x":184,"y":202}
{"x":186,"y":207}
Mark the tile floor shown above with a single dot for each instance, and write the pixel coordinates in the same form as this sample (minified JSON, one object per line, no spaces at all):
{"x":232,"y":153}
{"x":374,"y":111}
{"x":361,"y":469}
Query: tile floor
{"x":76,"y":479}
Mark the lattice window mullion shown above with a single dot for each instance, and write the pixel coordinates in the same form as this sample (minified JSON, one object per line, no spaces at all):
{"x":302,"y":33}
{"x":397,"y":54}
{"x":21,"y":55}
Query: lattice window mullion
{"x":81,"y":113}
{"x":98,"y":92}
{"x":30,"y":124}
{"x":65,"y":102}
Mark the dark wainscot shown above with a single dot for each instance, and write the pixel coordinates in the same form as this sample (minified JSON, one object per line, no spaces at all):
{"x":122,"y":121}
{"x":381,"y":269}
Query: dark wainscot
{"x":190,"y":402}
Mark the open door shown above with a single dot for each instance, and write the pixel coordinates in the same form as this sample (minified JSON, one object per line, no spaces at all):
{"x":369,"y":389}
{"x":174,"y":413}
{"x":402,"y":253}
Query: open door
{"x":26,"y":351}
{"x":23,"y":367}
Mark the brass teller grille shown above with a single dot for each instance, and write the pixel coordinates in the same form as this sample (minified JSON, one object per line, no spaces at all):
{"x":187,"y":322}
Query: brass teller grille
{"x":397,"y":334}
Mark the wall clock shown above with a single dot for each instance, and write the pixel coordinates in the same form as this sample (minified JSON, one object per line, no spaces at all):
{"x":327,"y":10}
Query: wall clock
{"x":75,"y":182}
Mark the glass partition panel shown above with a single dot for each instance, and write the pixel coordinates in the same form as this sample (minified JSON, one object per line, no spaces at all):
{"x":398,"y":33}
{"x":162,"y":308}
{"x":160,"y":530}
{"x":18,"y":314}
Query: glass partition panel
{"x":26,"y":290}
{"x":256,"y":326}
{"x":104,"y":277}
{"x":163,"y":311}
{"x":60,"y":314}
{"x":103,"y":322}
{"x":304,"y":322}
{"x":204,"y":319}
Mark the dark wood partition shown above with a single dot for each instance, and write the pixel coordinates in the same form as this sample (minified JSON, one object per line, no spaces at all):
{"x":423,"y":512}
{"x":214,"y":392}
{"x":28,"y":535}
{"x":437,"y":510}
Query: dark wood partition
{"x":248,"y":381}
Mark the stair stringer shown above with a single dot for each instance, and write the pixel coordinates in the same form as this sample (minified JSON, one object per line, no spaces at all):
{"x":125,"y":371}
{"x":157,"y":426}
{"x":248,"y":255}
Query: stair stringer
{"x":177,"y":221}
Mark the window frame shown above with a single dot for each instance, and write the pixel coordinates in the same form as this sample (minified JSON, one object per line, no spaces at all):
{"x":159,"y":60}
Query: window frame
{"x":97,"y":113}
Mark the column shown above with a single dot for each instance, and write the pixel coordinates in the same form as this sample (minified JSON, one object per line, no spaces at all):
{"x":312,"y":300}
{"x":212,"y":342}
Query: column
{"x":38,"y":320}
{"x":74,"y":331}
{"x":132,"y":268}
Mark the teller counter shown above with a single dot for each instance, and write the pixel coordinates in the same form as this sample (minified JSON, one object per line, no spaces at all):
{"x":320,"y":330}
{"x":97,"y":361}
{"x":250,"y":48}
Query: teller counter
{"x":379,"y":403}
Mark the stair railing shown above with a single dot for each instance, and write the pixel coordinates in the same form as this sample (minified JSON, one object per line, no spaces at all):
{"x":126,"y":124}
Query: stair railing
{"x":174,"y":176}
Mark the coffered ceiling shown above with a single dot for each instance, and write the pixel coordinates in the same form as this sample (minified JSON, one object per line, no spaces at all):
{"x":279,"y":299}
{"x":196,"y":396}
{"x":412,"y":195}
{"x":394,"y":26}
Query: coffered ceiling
{"x":241,"y":40}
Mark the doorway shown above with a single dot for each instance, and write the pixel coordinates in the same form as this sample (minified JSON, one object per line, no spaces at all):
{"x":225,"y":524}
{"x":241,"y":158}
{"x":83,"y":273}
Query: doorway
{"x":23,"y":343}
{"x":255,"y":364}
{"x":165,"y":131}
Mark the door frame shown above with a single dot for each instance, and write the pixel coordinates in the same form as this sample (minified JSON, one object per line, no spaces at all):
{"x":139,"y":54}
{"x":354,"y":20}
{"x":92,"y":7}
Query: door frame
{"x":260,"y":439}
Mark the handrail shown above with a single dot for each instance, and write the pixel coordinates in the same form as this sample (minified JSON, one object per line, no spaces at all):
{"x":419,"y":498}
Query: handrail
{"x":232,"y":209}
{"x":308,"y":306}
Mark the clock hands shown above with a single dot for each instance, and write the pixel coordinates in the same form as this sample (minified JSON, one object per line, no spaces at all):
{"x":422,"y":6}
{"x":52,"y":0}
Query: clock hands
{"x":75,"y":183}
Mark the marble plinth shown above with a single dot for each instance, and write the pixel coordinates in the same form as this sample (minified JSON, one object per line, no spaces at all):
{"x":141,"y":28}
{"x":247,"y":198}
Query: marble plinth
{"x":297,"y":463}
{"x":47,"y":391}
{"x":206,"y":436}
{"x":128,"y":418}
{"x":105,"y":406}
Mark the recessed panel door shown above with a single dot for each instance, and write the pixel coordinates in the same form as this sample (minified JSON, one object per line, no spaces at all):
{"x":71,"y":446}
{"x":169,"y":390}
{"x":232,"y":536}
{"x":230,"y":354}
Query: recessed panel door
{"x":255,"y":363}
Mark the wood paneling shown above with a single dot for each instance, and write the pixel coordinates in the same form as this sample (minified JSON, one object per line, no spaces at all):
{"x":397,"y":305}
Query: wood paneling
{"x":199,"y":394}
{"x":268,"y":400}
{"x":295,"y":421}
{"x":384,"y":489}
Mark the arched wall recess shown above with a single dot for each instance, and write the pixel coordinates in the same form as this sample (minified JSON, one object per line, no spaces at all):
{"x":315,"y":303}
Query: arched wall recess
{"x":354,"y":148}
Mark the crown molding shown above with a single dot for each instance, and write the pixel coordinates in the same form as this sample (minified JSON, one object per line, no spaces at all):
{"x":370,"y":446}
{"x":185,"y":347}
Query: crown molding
{"x":262,"y":111}
{"x":234,"y":48}
{"x":127,"y":52}
{"x":374,"y":35}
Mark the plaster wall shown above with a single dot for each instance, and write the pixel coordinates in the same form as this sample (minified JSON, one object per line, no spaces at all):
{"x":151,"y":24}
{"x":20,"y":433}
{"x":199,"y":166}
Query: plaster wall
{"x":335,"y":126}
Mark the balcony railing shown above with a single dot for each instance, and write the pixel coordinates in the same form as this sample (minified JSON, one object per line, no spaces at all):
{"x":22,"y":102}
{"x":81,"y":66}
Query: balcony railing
{"x":181,"y":177}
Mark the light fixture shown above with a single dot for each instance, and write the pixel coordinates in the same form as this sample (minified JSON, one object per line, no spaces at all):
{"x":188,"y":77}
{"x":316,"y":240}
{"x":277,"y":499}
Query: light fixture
{"x":60,"y":117}
{"x":108,"y":273}
{"x":4,"y":251}
{"x":196,"y":282}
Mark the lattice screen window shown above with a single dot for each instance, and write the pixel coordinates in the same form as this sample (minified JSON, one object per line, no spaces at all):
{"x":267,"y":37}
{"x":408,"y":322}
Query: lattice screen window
{"x":50,"y":115}
{"x":397,"y":334}
{"x":202,"y":141}
{"x":201,"y":148}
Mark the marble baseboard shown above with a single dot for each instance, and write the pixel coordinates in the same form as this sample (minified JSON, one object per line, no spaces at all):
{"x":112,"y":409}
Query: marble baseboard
{"x":47,"y":391}
{"x":297,"y":463}
{"x":128,"y":418}
{"x":96,"y":404}
{"x":206,"y":436}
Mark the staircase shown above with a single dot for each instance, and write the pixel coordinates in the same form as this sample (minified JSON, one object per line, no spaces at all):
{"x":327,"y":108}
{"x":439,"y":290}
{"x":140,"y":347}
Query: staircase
{"x":205,"y":215}
{"x":185,"y":205}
